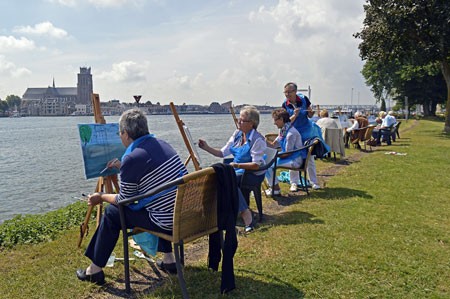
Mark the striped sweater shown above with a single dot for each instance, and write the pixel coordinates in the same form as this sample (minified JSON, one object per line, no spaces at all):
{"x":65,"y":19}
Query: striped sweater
{"x":152,"y":163}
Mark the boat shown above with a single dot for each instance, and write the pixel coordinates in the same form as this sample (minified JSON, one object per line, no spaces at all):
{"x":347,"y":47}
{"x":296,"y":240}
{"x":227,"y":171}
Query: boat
{"x":15,"y":114}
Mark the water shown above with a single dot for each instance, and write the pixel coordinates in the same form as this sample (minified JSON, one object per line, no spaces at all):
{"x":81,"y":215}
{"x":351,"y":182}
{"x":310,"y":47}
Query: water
{"x":41,"y":165}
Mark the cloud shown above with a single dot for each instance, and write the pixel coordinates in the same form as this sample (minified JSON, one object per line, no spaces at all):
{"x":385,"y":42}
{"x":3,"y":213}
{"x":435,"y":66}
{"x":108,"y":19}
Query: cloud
{"x":116,"y":3}
{"x":70,"y":3}
{"x":101,"y":3}
{"x":43,"y":29}
{"x":9,"y":68}
{"x":125,"y":71}
{"x":12,"y":44}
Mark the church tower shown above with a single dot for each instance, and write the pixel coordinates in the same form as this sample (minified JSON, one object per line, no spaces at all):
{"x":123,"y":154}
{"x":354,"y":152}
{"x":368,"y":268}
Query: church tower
{"x":84,"y":86}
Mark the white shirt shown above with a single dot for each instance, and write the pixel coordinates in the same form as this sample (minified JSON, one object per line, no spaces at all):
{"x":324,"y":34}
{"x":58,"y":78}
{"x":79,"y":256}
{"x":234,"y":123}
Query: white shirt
{"x":256,"y":151}
{"x":355,"y":126}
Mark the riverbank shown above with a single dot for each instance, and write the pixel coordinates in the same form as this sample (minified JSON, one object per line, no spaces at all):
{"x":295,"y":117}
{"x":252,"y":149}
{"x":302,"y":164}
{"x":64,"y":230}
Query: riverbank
{"x":378,"y":229}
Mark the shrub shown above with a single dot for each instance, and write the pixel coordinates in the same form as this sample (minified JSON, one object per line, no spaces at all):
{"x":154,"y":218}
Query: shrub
{"x":32,"y":229}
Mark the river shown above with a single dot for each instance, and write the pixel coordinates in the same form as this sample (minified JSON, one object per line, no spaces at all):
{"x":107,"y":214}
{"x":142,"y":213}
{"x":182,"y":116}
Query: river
{"x":41,"y":164}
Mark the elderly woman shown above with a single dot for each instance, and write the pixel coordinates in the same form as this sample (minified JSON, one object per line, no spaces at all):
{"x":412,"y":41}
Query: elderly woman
{"x":289,"y":139}
{"x":247,"y":146}
{"x":325,"y":121}
{"x":147,"y":163}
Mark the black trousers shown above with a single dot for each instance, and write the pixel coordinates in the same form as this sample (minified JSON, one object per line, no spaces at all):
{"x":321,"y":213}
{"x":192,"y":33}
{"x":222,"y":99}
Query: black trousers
{"x":105,"y":237}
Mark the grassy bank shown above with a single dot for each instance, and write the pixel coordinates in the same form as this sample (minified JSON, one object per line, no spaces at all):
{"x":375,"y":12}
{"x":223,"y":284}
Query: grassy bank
{"x":379,"y":230}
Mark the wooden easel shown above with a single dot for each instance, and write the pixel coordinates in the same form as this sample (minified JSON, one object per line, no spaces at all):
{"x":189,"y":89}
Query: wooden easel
{"x":104,"y":184}
{"x":234,"y":116}
{"x":181,"y":125}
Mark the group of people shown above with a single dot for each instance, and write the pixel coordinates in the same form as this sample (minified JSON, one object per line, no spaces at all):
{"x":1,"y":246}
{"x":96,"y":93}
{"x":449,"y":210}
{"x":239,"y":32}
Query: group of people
{"x":149,"y":161}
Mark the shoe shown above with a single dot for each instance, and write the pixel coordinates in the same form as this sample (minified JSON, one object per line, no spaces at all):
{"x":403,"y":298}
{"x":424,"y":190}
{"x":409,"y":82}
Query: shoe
{"x":249,"y":228}
{"x":293,"y":187}
{"x":275,"y":192}
{"x":168,"y":268}
{"x":315,"y":187}
{"x":97,"y":278}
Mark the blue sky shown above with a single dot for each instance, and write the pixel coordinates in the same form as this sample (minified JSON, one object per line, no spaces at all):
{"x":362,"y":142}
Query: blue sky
{"x":185,"y":51}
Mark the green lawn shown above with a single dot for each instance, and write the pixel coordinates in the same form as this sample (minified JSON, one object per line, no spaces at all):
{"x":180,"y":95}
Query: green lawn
{"x":380,"y":229}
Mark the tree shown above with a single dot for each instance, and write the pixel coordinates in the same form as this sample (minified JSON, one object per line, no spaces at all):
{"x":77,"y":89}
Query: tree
{"x":423,"y":85}
{"x":13,"y":101}
{"x":3,"y":106}
{"x":415,"y":32}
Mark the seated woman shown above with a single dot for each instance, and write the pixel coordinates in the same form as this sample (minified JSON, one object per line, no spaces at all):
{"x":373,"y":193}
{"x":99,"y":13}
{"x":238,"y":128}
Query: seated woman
{"x":289,"y":139}
{"x":147,"y":163}
{"x":247,"y":146}
{"x":325,"y":121}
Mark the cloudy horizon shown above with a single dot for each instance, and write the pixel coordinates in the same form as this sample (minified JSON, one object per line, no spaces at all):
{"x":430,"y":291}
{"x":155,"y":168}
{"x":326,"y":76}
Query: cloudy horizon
{"x":186,"y":52}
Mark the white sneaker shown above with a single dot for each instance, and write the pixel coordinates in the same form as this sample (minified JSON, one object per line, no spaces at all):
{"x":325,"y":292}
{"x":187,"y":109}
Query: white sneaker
{"x":315,"y":187}
{"x":275,"y":192}
{"x":293,"y":187}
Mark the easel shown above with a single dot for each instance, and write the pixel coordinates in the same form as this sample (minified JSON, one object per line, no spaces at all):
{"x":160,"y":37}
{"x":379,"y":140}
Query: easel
{"x":192,"y":157}
{"x":104,"y":184}
{"x":233,"y":114}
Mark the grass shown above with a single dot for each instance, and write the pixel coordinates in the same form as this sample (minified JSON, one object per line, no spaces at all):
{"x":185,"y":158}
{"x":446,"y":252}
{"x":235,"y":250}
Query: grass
{"x":378,"y":230}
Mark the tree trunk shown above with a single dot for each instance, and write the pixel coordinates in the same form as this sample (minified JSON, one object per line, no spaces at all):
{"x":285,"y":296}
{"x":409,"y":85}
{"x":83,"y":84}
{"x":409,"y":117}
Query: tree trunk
{"x":426,"y":109}
{"x":445,"y":67}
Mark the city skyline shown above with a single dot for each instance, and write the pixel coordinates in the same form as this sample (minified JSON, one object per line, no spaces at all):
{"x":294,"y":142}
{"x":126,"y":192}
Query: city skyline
{"x":191,"y":52}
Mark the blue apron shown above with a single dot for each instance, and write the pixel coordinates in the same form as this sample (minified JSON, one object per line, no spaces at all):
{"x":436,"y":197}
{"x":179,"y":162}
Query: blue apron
{"x":241,"y":153}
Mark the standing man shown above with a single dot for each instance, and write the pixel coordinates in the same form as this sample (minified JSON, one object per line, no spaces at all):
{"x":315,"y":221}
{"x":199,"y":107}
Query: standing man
{"x":298,"y":106}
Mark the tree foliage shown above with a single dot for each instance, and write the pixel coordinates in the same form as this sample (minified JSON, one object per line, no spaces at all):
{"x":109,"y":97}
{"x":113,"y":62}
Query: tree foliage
{"x":410,"y":32}
{"x":13,"y":101}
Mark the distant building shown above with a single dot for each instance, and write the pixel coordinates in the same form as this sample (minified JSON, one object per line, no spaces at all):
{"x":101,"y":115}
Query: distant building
{"x":54,"y":101}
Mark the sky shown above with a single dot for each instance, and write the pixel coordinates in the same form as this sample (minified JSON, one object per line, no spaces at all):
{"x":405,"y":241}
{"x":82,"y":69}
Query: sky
{"x":193,"y":52}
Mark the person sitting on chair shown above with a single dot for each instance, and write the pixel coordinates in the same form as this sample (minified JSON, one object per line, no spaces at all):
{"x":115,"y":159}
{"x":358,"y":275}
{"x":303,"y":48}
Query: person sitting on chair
{"x":387,"y":121}
{"x":325,"y":121}
{"x":353,"y":132}
{"x":247,"y":146}
{"x":288,"y":139}
{"x":147,"y":163}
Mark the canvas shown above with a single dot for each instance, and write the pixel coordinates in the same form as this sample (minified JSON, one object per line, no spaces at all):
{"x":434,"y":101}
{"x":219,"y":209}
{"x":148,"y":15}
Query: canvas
{"x":100,"y":143}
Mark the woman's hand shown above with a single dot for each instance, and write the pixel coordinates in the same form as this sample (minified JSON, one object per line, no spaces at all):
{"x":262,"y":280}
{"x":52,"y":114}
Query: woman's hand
{"x":234,"y":165}
{"x":202,"y":144}
{"x":114,"y":163}
{"x":95,"y":199}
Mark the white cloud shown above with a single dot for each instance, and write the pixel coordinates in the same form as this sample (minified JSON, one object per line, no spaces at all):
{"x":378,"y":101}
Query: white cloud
{"x":12,"y":44}
{"x":125,"y":71}
{"x":10,"y":69}
{"x":44,"y":28}
{"x":70,"y":3}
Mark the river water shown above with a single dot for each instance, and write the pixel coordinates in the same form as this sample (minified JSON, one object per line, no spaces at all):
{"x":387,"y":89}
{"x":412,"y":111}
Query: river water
{"x":41,"y":164}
